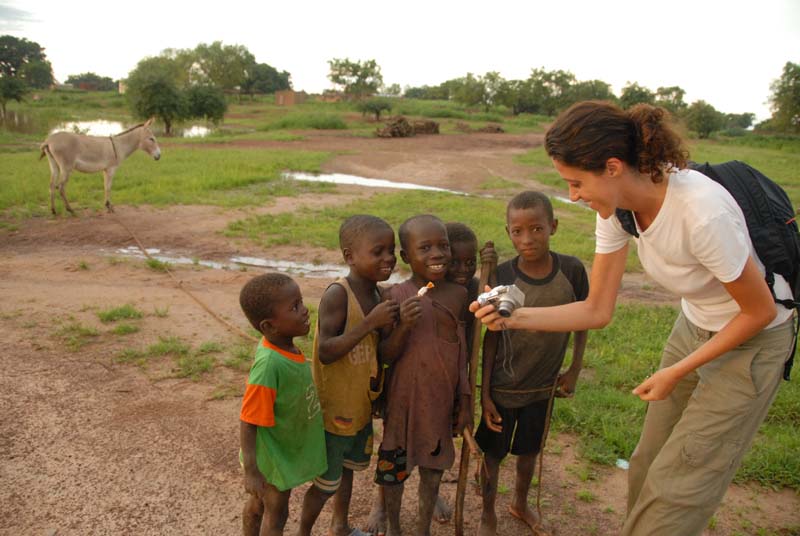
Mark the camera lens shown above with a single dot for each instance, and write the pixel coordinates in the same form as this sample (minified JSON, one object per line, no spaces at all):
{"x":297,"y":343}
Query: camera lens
{"x":505,"y":308}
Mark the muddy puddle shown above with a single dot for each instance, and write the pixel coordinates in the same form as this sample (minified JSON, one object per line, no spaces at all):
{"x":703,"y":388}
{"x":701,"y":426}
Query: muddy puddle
{"x":302,"y":269}
{"x":341,"y":178}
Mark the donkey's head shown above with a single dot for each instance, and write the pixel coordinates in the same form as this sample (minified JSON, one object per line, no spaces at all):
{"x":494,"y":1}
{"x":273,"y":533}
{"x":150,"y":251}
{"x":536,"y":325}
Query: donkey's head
{"x":147,"y":141}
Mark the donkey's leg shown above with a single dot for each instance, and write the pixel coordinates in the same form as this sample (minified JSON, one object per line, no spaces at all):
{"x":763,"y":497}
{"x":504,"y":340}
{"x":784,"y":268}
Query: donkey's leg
{"x":62,"y":188}
{"x":108,"y":178}
{"x":54,"y":173}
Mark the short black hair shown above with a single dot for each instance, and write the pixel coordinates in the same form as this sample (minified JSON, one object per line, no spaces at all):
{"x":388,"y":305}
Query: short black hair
{"x":402,"y":232}
{"x":460,"y":233}
{"x":258,"y":296}
{"x":531,"y":199}
{"x":356,"y":227}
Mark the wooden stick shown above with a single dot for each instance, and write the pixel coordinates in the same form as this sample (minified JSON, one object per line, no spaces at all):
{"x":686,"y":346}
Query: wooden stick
{"x":469,"y":442}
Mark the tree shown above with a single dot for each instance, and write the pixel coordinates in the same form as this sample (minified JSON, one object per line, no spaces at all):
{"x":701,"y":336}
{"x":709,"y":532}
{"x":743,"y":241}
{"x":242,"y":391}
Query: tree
{"x":11,"y":88}
{"x":739,"y":121}
{"x":153,"y":91}
{"x":263,"y":78}
{"x":356,"y":78}
{"x":671,"y":98}
{"x":223,"y":65}
{"x":633,"y":94}
{"x":37,"y":74}
{"x":374,"y":106}
{"x":552,"y":88}
{"x":394,"y":90}
{"x":16,"y":52}
{"x":785,"y":99}
{"x":91,"y":82}
{"x":440,"y":92}
{"x":590,"y":90}
{"x":703,"y":118}
{"x":206,"y":101}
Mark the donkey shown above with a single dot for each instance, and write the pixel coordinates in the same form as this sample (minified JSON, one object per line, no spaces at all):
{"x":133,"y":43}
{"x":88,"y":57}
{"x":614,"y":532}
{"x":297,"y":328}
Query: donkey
{"x":89,"y":154}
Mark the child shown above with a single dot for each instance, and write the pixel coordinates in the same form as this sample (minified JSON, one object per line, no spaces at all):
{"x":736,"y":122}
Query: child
{"x":520,"y":367}
{"x":345,"y":359}
{"x":463,"y":249}
{"x":281,"y":432}
{"x":427,"y":375}
{"x":463,"y":264}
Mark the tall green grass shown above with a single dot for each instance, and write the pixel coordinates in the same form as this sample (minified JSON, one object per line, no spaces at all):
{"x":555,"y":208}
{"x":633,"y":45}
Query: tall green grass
{"x":608,"y":419}
{"x":184,"y":175}
{"x":307,"y":121}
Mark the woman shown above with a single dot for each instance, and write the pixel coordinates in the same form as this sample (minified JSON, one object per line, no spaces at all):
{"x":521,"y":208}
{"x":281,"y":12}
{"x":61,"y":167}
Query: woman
{"x":722,"y":364}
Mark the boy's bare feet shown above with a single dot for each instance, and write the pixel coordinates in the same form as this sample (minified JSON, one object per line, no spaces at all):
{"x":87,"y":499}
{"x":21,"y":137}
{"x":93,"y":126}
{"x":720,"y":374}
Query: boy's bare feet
{"x":488,"y":526}
{"x":376,"y":521}
{"x":526,"y":515}
{"x":442,"y":512}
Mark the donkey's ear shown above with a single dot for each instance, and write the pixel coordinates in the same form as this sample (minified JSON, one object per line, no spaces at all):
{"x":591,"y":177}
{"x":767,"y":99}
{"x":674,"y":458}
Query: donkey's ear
{"x":149,"y":122}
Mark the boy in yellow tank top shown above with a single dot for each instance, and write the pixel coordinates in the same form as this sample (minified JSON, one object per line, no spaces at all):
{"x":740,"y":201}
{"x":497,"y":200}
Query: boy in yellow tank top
{"x":344,"y":361}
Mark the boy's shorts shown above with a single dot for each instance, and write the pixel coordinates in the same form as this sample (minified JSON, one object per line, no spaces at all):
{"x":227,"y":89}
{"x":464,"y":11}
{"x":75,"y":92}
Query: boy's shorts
{"x":522,"y":433}
{"x":351,"y":452}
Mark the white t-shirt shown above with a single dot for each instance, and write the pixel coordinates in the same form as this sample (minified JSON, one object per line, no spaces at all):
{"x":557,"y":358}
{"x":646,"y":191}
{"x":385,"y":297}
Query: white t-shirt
{"x":697,"y":241}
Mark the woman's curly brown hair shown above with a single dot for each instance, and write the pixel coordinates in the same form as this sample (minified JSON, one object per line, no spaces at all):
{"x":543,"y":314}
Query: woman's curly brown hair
{"x":588,"y":133}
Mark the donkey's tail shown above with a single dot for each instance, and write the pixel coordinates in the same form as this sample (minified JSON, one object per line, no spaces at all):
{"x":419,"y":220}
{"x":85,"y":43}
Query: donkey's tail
{"x":44,"y":148}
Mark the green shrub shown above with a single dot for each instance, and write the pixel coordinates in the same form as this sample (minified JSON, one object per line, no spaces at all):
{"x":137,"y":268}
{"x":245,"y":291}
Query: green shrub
{"x":308,"y":121}
{"x":126,"y":311}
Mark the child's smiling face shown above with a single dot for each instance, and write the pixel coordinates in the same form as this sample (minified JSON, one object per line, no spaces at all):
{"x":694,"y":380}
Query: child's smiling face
{"x":372,"y":256}
{"x":463,"y":263}
{"x":289,"y":316}
{"x":427,"y":250}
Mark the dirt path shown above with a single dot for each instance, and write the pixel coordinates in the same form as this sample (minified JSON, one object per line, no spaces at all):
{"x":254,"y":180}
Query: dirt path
{"x":92,"y":445}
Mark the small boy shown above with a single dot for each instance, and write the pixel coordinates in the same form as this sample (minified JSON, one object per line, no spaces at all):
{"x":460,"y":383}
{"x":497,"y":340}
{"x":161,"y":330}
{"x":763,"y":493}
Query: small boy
{"x":281,"y":432}
{"x":463,"y":264}
{"x":427,"y":376}
{"x":520,"y":367}
{"x":345,"y":360}
{"x":464,"y":251}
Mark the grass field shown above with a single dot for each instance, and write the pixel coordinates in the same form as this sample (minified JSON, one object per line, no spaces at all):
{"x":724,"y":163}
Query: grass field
{"x":605,"y":417}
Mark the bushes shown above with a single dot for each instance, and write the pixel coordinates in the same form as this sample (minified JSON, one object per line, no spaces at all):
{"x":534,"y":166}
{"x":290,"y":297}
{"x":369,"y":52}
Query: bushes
{"x":307,"y":121}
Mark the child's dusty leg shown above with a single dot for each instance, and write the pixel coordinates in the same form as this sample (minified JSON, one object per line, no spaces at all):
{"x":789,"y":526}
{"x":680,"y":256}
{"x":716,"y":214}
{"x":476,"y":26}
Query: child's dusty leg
{"x":376,"y":521}
{"x":276,"y":511}
{"x":442,"y":512}
{"x":394,"y":498}
{"x":489,"y":478}
{"x":341,"y":504}
{"x":429,"y":480}
{"x":251,"y":515}
{"x":519,"y":503}
{"x":313,"y":502}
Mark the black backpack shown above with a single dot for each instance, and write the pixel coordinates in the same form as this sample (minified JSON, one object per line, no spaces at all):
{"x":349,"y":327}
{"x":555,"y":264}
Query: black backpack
{"x":771,"y":224}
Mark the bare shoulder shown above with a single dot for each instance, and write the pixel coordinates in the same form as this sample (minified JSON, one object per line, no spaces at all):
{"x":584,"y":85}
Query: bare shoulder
{"x":334,"y":297}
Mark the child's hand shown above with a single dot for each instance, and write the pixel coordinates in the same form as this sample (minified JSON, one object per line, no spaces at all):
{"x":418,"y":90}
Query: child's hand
{"x":254,"y":483}
{"x":491,"y":417}
{"x":566,"y":383}
{"x":411,"y":310}
{"x":488,"y":253}
{"x":383,"y":315}
{"x":464,"y":418}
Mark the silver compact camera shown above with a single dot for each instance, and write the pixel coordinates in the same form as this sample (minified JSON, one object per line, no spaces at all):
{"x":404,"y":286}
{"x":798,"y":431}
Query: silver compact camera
{"x":505,"y":299}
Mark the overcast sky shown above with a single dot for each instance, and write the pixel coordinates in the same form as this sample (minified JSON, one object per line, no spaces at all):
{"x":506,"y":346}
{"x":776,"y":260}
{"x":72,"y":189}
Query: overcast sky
{"x":726,"y":53}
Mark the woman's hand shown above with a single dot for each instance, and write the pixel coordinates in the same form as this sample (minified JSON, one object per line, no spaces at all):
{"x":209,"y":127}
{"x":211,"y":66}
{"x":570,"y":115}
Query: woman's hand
{"x":488,"y":314}
{"x":659,"y":385}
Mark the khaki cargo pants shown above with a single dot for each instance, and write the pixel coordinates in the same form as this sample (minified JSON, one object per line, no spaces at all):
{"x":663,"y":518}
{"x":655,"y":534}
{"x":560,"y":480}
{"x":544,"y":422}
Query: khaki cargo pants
{"x":693,"y":441}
